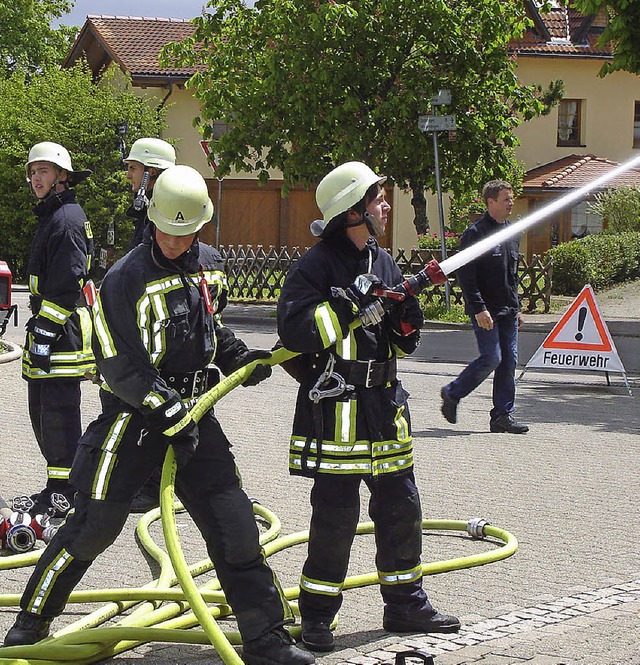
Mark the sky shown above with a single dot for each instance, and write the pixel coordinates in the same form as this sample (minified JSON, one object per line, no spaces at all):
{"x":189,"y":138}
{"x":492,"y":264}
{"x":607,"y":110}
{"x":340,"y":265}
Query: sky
{"x":156,"y":8}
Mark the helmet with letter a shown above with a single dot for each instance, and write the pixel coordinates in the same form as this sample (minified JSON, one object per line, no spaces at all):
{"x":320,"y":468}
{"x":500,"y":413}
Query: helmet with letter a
{"x":339,"y":191}
{"x":180,"y":204}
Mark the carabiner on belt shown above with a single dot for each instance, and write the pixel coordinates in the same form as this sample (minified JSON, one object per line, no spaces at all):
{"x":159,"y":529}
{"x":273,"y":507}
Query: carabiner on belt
{"x":341,"y":386}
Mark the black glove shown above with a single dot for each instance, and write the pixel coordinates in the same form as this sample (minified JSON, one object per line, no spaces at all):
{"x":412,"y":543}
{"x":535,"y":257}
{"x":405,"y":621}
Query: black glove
{"x":185,"y":443}
{"x":260,"y":373}
{"x":359,"y":296}
{"x":173,"y":421}
{"x":40,"y":348}
{"x":406,"y":319}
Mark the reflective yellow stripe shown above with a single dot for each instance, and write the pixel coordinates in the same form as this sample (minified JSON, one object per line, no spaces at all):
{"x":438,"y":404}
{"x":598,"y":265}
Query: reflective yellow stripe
{"x":58,"y":473}
{"x":54,"y":312}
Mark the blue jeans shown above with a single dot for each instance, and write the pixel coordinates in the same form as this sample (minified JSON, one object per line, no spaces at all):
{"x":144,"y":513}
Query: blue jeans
{"x":499,"y":354}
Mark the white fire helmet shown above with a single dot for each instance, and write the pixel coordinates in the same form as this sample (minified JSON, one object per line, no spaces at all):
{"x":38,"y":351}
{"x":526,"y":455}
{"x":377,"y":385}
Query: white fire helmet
{"x":152,"y":152}
{"x":340,"y":190}
{"x":56,"y":154}
{"x":180,"y":203}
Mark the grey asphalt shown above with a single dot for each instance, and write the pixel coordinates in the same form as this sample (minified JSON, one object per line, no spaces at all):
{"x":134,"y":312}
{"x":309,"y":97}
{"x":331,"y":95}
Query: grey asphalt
{"x":567,"y":491}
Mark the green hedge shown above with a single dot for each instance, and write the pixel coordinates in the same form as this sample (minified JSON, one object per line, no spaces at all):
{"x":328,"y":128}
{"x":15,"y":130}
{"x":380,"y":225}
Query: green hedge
{"x":600,"y":260}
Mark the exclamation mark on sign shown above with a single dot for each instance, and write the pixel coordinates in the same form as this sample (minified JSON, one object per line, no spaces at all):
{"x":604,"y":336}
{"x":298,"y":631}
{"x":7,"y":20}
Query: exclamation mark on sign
{"x":582,"y":315}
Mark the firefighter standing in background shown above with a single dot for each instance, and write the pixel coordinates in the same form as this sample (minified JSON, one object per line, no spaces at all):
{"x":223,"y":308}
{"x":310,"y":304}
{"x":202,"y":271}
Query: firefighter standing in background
{"x":147,"y":159}
{"x":157,"y":328}
{"x":352,"y":421}
{"x":58,"y":344}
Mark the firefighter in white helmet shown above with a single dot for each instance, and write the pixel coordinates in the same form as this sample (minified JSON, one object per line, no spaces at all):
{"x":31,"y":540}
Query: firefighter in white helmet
{"x":58,"y":345}
{"x":146,"y":160}
{"x":158,"y":327}
{"x":352,"y":420}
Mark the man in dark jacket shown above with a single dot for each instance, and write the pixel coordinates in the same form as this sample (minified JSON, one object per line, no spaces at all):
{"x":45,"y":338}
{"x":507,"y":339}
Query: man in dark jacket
{"x":157,"y":327}
{"x":352,"y":420}
{"x":490,"y":288}
{"x":58,"y":345}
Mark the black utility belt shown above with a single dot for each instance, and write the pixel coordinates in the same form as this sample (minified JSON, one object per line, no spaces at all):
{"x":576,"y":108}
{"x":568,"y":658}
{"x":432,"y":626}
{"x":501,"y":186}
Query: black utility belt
{"x":367,"y":373}
{"x":193,"y":384}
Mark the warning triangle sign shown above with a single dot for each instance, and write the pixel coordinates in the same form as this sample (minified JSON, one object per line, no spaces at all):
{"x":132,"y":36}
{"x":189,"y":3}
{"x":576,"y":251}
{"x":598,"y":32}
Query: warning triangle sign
{"x":581,"y":327}
{"x":580,"y":340}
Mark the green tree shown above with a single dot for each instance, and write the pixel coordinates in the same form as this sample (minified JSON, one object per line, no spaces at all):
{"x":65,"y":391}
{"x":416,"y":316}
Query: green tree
{"x":618,"y":208}
{"x":27,"y":39}
{"x":622,"y":32}
{"x":65,"y":106}
{"x":301,"y":85}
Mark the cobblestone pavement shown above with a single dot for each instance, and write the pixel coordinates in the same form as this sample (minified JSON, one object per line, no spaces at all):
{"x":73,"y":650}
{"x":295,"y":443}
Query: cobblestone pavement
{"x":567,"y":490}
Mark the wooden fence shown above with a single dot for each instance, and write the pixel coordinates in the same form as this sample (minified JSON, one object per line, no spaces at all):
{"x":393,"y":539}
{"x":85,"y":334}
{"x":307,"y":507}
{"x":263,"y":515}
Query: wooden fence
{"x":256,"y":273}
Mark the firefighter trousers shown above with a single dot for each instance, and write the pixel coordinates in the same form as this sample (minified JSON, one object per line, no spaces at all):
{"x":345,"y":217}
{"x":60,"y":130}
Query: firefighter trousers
{"x":54,"y":410}
{"x":394,"y":508}
{"x":112,"y":463}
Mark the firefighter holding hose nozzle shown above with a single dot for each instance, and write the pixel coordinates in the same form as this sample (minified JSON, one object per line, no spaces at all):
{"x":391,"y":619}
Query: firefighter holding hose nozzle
{"x":352,"y":421}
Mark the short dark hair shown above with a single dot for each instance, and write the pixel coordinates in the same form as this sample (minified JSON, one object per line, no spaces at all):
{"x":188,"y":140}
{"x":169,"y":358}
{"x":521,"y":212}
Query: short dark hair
{"x":493,"y":188}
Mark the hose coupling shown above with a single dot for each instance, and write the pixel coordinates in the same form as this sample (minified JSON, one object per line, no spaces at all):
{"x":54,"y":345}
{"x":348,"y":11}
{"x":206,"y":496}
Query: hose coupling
{"x":475,"y":527}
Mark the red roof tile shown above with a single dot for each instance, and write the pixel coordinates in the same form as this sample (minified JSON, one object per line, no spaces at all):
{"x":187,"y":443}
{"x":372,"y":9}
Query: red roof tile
{"x":575,"y":171}
{"x":568,"y":33}
{"x":134,"y":42}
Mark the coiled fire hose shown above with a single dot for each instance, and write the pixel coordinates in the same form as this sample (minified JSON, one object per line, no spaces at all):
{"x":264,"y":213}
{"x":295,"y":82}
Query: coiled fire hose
{"x":162,"y":613}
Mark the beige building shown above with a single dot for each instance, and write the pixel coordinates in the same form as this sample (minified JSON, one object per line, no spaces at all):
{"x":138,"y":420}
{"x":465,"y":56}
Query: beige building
{"x":598,"y":121}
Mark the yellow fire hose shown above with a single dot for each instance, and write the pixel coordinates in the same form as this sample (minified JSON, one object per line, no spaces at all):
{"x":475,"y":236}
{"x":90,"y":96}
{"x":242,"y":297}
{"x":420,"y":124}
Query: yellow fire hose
{"x":167,"y":613}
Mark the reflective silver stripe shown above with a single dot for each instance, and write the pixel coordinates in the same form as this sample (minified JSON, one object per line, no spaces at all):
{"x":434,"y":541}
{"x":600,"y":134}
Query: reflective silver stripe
{"x":320,"y":588}
{"x":328,"y":330}
{"x":360,"y":447}
{"x":53,"y":312}
{"x":402,"y":577}
{"x":332,"y":467}
{"x":60,"y":564}
{"x":107,"y":456}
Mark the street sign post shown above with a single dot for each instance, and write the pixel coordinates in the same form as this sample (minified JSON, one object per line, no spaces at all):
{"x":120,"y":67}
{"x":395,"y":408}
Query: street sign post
{"x":435,"y":124}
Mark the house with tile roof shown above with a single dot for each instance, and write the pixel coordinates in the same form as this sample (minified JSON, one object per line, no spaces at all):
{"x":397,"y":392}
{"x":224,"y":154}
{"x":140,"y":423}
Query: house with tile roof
{"x":595,"y":127}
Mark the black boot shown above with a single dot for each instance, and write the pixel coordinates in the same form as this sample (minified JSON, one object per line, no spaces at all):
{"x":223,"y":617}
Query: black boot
{"x":506,"y":423}
{"x":407,"y":619}
{"x":317,"y":636}
{"x":276,"y":647}
{"x":28,"y":629}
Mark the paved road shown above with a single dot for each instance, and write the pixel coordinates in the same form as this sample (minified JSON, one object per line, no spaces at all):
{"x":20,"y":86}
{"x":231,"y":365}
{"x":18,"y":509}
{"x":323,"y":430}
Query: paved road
{"x":567,"y":490}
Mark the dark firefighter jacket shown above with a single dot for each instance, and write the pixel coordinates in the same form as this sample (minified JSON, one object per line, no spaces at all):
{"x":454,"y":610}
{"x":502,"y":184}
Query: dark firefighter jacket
{"x":60,"y":260}
{"x":140,"y":223}
{"x":364,"y":431}
{"x":158,"y":325}
{"x":490,"y":282}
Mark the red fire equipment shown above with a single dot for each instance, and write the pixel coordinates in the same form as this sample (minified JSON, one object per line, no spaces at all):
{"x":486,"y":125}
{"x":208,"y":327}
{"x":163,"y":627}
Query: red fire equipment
{"x":7,"y":310}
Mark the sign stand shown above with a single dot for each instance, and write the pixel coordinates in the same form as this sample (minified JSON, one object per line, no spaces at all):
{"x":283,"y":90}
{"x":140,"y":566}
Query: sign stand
{"x":580,"y":341}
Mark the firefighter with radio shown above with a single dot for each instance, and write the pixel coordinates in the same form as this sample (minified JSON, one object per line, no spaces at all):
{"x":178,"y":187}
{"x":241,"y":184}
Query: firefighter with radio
{"x":157,"y":328}
{"x":147,"y":159}
{"x":352,"y":422}
{"x":57,"y":351}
